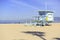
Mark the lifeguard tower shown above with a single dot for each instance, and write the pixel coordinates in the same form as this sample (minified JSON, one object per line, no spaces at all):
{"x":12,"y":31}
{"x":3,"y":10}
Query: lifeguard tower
{"x":44,"y":18}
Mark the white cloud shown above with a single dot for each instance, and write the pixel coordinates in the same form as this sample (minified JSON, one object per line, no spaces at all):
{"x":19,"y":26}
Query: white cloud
{"x":22,"y":3}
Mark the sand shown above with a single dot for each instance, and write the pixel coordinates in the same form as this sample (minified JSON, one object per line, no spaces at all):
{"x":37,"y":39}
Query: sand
{"x":29,"y":32}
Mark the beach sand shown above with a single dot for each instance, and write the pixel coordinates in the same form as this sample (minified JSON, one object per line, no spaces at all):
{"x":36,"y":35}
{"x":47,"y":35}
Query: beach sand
{"x":29,"y":32}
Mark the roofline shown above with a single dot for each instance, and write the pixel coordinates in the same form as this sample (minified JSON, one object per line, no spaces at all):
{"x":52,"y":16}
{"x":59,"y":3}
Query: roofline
{"x":46,"y":11}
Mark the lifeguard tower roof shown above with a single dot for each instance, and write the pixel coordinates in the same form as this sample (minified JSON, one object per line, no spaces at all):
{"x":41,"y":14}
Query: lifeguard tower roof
{"x":44,"y":12}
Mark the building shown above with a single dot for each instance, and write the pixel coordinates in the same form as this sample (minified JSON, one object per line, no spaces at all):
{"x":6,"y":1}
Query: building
{"x":45,"y":17}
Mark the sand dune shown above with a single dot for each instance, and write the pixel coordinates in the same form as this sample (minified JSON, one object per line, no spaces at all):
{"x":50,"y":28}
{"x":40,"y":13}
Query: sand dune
{"x":29,"y":32}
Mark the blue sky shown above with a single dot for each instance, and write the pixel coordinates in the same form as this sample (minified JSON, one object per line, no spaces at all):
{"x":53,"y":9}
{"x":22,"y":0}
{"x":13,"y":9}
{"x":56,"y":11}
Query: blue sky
{"x":21,"y":9}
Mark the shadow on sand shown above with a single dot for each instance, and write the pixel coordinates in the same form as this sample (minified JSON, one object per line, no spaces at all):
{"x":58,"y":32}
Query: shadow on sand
{"x":36,"y":33}
{"x":57,"y":38}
